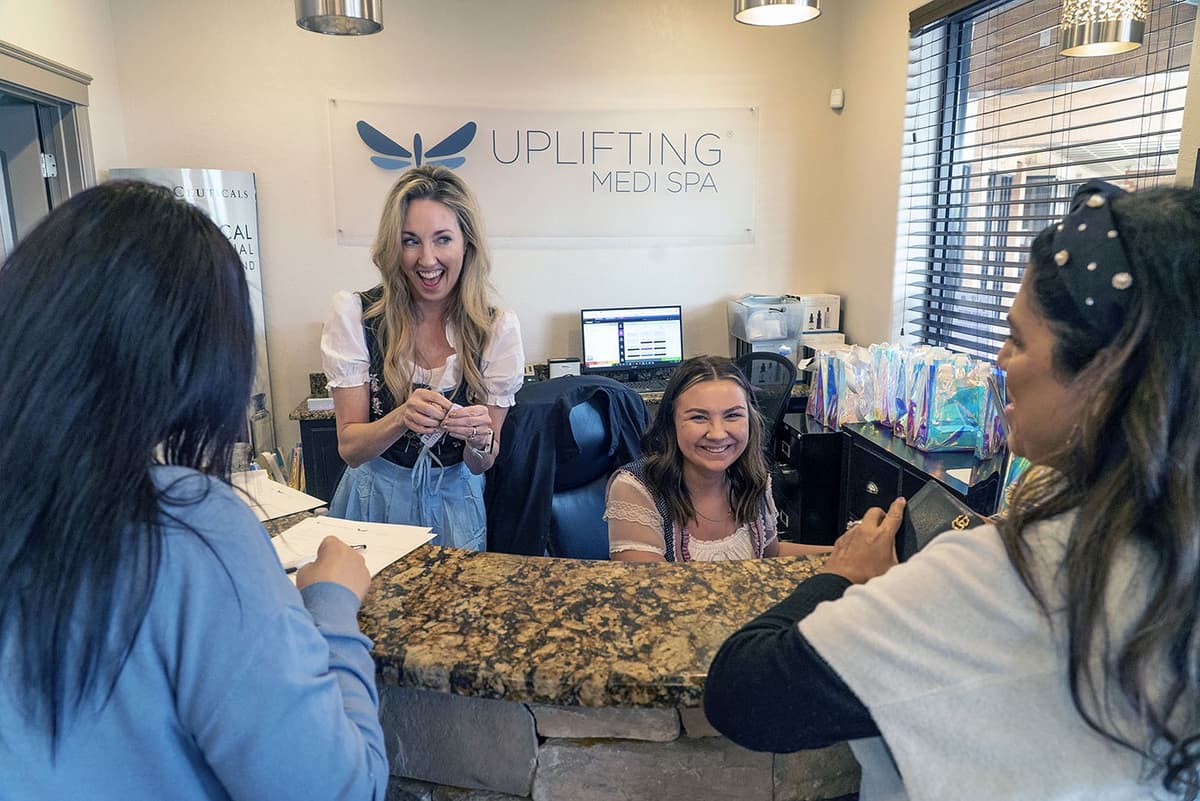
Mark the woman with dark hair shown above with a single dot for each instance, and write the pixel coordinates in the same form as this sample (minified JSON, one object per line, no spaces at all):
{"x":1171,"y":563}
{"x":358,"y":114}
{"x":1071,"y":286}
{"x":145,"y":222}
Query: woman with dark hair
{"x":701,"y":490}
{"x":423,"y":367}
{"x":1056,"y":654}
{"x":151,"y":644}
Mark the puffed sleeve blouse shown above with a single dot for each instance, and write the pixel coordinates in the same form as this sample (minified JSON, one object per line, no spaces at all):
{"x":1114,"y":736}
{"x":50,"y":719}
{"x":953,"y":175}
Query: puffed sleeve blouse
{"x":346,"y":362}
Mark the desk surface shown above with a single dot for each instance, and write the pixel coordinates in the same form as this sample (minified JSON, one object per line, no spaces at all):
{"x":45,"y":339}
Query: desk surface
{"x":936,"y":464}
{"x":564,"y":631}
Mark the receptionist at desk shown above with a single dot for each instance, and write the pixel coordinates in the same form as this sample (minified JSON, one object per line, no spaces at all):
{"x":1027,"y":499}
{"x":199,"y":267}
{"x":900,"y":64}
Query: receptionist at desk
{"x":701,"y":490}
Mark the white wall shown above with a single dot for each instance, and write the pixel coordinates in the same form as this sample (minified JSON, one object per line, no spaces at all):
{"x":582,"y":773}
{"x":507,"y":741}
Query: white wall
{"x":77,"y":34}
{"x":236,"y":85}
{"x":859,"y":244}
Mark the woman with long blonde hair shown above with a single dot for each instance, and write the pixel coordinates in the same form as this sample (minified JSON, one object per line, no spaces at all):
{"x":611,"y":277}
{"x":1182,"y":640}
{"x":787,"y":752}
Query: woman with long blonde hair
{"x":422,"y":367}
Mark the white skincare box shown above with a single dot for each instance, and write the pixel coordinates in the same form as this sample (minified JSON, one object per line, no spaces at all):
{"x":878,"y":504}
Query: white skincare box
{"x":819,"y":312}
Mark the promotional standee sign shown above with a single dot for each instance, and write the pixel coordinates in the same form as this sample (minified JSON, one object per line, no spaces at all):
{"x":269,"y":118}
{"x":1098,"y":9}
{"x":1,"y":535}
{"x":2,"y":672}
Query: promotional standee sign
{"x":229,"y":198}
{"x":583,"y":174}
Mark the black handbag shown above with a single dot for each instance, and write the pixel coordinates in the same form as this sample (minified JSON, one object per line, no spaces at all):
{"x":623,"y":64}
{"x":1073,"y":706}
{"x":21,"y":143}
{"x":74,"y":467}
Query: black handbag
{"x":929,"y":512}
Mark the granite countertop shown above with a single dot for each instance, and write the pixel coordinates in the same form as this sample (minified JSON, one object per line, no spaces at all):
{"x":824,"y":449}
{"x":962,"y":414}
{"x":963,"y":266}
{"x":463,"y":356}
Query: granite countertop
{"x":564,"y":631}
{"x":302,"y":412}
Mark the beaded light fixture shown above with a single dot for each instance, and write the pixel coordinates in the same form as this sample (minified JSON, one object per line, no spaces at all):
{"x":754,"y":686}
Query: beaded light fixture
{"x":775,"y":12}
{"x":340,"y":17}
{"x":1102,"y":27}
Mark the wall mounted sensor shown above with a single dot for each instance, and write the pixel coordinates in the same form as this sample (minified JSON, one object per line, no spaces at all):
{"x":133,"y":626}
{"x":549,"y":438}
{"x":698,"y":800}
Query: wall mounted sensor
{"x":837,"y":99}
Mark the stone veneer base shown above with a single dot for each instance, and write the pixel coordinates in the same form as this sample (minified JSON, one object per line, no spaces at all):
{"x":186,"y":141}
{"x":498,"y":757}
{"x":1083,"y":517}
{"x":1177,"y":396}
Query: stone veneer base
{"x":445,"y":747}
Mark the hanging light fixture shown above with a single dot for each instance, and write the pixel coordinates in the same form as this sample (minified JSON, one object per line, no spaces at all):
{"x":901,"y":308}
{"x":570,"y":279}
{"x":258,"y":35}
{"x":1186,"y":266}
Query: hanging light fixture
{"x":1102,"y":27}
{"x":340,"y":17}
{"x":775,"y":12}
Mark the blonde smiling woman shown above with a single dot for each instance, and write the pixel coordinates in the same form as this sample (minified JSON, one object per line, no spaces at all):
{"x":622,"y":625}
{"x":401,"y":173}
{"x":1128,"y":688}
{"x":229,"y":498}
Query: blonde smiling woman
{"x":423,"y":367}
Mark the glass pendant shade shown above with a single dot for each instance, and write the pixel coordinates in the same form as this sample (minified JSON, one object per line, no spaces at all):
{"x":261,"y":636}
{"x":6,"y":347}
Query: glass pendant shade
{"x":775,"y":12}
{"x":340,"y":17}
{"x":1102,"y":27}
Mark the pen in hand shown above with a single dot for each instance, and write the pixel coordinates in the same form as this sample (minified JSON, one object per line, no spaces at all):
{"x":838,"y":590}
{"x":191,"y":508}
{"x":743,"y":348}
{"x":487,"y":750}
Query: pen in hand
{"x":301,"y":562}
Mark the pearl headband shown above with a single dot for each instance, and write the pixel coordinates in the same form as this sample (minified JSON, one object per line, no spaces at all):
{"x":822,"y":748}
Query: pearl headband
{"x":1091,"y":260}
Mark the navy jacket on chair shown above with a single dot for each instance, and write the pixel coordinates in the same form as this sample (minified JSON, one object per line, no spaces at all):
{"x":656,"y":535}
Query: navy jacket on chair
{"x":537,"y":440}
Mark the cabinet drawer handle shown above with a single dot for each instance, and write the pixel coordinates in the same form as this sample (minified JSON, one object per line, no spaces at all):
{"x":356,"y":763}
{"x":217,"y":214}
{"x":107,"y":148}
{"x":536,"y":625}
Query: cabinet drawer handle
{"x":872,"y":488}
{"x":785,"y":448}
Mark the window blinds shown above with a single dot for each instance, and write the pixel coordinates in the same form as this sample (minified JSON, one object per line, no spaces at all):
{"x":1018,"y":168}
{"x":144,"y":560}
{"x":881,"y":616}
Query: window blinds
{"x":1000,"y":130}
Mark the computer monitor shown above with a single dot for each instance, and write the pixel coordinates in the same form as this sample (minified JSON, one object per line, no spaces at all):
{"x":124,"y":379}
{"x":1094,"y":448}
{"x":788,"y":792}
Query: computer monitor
{"x":631,"y":339}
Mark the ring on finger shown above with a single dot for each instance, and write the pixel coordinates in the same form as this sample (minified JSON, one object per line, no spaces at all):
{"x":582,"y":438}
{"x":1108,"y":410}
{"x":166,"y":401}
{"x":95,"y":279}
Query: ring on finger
{"x":474,"y":431}
{"x":852,"y":523}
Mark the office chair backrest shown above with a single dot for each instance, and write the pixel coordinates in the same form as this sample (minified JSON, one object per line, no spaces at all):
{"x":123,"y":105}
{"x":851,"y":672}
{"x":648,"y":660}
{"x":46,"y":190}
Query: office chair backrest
{"x":771,"y":376}
{"x":577,"y":526}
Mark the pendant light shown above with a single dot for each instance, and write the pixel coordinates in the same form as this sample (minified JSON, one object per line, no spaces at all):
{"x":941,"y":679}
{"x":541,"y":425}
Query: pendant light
{"x":775,"y":12}
{"x":1102,"y":27}
{"x":340,"y":17}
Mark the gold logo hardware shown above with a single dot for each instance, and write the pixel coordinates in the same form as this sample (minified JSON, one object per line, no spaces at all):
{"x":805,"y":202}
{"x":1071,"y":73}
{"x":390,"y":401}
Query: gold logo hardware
{"x":961,"y":522}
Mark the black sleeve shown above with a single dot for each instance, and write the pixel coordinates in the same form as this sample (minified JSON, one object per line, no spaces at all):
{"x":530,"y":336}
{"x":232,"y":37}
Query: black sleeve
{"x":769,"y":690}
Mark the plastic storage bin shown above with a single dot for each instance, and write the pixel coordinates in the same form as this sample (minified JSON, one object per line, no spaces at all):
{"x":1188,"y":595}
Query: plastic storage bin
{"x":757,"y":318}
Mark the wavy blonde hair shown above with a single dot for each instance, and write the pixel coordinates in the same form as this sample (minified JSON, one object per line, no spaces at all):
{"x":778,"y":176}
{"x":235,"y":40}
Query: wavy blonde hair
{"x":470,"y":308}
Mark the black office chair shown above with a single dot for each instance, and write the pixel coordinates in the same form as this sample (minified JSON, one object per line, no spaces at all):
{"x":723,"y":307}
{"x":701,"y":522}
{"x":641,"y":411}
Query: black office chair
{"x":577,"y":526}
{"x":771,"y":376}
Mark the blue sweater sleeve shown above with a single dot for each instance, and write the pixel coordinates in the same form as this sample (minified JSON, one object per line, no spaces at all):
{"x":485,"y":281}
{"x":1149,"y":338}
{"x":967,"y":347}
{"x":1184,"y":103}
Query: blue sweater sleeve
{"x":769,"y":690}
{"x":277,"y":688}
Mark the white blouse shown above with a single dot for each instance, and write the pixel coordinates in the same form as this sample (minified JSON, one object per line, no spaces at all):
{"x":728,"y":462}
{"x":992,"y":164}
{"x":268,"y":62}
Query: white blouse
{"x":346,"y":363}
{"x":629,"y":501}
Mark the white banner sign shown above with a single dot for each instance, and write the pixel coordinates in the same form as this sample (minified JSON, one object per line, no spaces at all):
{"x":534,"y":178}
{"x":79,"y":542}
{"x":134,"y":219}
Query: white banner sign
{"x":661,"y":174}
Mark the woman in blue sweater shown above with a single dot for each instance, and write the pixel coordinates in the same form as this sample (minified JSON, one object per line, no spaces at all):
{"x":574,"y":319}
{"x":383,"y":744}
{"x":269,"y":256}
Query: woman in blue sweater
{"x":151,"y":644}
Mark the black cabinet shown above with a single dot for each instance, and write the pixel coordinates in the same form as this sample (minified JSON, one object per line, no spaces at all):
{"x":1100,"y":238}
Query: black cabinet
{"x":877,"y":468}
{"x":807,"y":480}
{"x":323,"y":467}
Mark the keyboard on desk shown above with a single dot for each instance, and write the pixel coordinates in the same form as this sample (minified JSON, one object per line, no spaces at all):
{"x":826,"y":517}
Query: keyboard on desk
{"x":651,"y":385}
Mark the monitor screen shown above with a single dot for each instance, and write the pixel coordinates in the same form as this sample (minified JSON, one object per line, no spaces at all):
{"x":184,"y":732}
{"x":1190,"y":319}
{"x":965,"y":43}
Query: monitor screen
{"x":635,"y":338}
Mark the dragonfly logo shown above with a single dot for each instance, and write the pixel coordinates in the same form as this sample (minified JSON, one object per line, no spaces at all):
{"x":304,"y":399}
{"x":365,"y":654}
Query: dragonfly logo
{"x":394,"y":156}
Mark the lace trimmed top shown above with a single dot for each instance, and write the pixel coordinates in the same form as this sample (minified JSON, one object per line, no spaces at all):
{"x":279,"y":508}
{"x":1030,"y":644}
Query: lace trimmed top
{"x":629,"y":501}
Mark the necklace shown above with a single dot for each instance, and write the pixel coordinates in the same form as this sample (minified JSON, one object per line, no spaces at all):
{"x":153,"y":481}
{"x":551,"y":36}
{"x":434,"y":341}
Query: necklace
{"x":709,"y":519}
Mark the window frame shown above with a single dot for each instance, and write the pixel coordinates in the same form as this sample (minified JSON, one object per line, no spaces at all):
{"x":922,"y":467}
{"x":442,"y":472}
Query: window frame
{"x":958,"y":262}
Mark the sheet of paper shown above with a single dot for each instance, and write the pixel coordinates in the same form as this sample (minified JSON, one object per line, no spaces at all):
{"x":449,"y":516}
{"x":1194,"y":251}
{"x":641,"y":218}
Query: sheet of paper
{"x":384,"y":542}
{"x":270,"y":498}
{"x":963,"y":474}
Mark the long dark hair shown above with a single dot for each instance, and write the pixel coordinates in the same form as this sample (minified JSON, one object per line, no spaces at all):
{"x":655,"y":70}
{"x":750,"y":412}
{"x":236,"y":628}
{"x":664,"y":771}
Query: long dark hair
{"x":126,"y":339}
{"x":1132,"y":470}
{"x":664,"y":461}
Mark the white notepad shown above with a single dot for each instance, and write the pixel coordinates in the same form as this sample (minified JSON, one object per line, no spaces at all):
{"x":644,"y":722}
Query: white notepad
{"x":385,"y":542}
{"x":270,"y":498}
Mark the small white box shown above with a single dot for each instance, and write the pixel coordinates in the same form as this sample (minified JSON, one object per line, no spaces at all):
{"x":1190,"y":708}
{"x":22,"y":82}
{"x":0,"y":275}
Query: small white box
{"x":824,"y":340}
{"x":819,"y":312}
{"x":319,"y":404}
{"x":561,"y":367}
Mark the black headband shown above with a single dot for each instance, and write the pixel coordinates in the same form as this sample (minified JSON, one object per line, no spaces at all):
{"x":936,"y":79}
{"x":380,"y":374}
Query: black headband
{"x":1091,"y":259}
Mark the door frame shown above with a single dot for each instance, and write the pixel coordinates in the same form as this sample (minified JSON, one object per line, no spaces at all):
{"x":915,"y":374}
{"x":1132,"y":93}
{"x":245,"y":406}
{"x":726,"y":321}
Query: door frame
{"x":61,"y":95}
